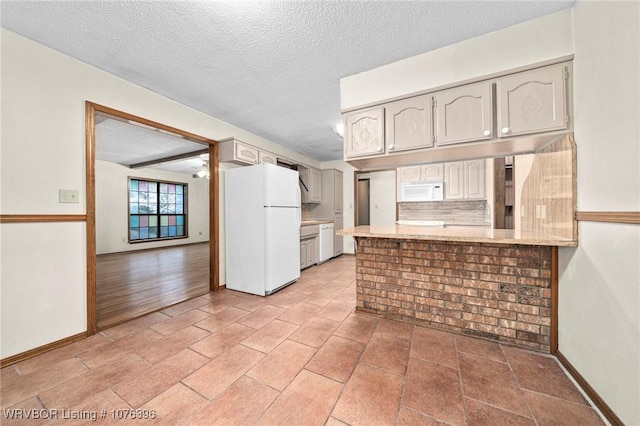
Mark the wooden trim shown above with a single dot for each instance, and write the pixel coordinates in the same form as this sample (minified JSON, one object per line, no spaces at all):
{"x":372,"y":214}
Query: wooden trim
{"x":91,"y":109}
{"x":42,"y":218}
{"x":90,"y":149}
{"x":632,"y":218}
{"x":171,"y":158}
{"x":10,"y":360}
{"x":214,"y":223}
{"x":591,"y":393}
{"x":151,"y":248}
{"x":554,"y":301}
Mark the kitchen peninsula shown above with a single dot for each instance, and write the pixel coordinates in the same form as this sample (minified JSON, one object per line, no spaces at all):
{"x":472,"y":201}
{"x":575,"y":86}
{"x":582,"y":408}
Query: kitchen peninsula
{"x":498,"y":284}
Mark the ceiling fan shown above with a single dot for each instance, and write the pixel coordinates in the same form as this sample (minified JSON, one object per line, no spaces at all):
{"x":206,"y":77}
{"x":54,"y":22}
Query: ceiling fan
{"x":204,"y":170}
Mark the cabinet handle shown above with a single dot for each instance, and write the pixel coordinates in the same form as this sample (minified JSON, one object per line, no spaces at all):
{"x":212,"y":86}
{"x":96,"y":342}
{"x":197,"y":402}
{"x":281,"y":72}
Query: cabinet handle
{"x":392,"y":147}
{"x":505,"y":130}
{"x":380,"y":149}
{"x":487,"y":132}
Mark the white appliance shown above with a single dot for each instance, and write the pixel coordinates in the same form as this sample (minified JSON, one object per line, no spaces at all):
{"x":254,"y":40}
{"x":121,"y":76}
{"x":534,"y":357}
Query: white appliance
{"x":262,"y":218}
{"x":326,"y":236}
{"x":422,"y":191}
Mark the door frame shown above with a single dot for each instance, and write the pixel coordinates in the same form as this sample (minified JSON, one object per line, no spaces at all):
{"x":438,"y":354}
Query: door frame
{"x":214,"y":202}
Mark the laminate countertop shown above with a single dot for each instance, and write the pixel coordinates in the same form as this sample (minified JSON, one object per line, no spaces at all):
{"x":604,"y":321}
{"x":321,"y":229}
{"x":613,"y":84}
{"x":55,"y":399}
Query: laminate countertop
{"x":472,"y":234}
{"x":315,"y":222}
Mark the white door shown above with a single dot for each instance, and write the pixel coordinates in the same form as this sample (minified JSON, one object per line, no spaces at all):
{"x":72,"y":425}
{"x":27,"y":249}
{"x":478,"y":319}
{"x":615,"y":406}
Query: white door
{"x":282,"y":247}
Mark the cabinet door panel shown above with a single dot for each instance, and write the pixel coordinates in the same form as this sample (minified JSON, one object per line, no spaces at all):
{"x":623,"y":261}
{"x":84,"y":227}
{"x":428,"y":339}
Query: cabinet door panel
{"x":337,"y":188}
{"x":532,"y":101}
{"x":267,"y":157}
{"x":246,"y":153}
{"x":454,"y":181}
{"x":474,"y":179}
{"x":409,"y":124}
{"x":337,"y":241}
{"x":433,"y":172}
{"x":303,"y":254}
{"x":464,"y":114}
{"x":364,"y":132}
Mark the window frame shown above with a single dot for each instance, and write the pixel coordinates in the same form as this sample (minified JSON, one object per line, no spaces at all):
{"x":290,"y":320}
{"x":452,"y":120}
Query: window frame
{"x":158,"y":214}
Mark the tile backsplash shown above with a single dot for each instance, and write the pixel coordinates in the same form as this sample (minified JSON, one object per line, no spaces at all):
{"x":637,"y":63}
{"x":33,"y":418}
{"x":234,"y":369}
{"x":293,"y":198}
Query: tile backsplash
{"x":463,"y":212}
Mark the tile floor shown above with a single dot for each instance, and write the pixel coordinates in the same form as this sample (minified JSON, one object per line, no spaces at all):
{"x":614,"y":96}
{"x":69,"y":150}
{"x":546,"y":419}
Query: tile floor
{"x":299,"y":357}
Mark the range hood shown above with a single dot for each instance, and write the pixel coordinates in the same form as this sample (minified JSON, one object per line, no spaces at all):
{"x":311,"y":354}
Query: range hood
{"x":464,"y":151}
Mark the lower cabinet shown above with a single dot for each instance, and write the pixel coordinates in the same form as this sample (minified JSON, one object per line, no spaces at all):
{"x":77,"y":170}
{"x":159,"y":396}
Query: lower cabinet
{"x":308,"y":252}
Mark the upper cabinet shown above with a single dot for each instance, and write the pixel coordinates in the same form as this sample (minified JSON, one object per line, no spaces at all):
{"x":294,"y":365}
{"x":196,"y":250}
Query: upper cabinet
{"x":311,"y":184}
{"x":235,"y":151}
{"x":408,"y":124}
{"x":364,"y":132}
{"x":477,"y":120}
{"x":464,"y":114}
{"x":533,"y":101}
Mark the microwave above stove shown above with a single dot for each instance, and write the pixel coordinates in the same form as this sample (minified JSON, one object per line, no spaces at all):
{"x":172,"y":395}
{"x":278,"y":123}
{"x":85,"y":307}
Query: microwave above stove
{"x":422,"y":191}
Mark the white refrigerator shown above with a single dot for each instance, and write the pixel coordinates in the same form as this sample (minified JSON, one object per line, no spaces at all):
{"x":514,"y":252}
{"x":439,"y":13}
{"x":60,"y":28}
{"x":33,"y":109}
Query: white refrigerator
{"x":262,"y":226}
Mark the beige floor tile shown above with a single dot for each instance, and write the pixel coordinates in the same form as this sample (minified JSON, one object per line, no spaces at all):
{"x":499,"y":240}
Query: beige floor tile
{"x":315,"y":332}
{"x":15,"y":415}
{"x":479,"y":347}
{"x":107,"y":353}
{"x":182,"y":307}
{"x":242,"y":403}
{"x":434,"y":390}
{"x":280,"y":366}
{"x":222,"y":340}
{"x":336,"y":359}
{"x":320,"y":297}
{"x":213,"y":378}
{"x":371,"y":396}
{"x":550,"y":411}
{"x":180,"y":322}
{"x":171,"y":344}
{"x":135,"y":326}
{"x":491,"y":382}
{"x":285,"y":300}
{"x":270,"y":336}
{"x":358,"y":327}
{"x":139,"y":388}
{"x":479,"y":413}
{"x":408,"y":417}
{"x":300,"y":314}
{"x":14,"y":391}
{"x":172,"y":407}
{"x":76,"y":390}
{"x":336,"y":310}
{"x":103,"y":404}
{"x":396,"y":328}
{"x":262,"y":316}
{"x":435,"y":346}
{"x":387,"y":351}
{"x":222,"y":319}
{"x":308,"y":400}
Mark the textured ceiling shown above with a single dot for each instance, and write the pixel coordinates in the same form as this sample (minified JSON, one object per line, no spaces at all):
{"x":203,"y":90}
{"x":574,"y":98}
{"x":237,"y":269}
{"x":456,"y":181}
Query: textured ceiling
{"x":271,"y":68}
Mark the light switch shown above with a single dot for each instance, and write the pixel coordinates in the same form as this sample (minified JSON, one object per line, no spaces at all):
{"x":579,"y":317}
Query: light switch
{"x":68,"y":196}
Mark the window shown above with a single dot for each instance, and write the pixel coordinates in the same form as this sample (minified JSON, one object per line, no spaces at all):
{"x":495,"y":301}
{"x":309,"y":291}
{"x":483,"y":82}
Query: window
{"x":157,"y":210}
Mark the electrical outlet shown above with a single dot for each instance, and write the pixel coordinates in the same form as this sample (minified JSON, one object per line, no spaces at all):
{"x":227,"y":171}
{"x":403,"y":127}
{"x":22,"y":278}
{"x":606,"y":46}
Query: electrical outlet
{"x":68,"y":196}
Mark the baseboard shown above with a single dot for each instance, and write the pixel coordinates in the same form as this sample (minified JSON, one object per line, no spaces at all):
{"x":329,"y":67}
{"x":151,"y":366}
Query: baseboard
{"x":591,"y":392}
{"x":10,"y":360}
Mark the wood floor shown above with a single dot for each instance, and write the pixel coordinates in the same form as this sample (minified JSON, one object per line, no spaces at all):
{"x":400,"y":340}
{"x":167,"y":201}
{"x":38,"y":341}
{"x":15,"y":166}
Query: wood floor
{"x":135,"y":283}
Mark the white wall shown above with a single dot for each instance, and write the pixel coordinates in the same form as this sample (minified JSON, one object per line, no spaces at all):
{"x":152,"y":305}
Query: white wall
{"x":521,"y":166}
{"x":112,"y":207}
{"x":599,"y":313}
{"x":599,"y":303}
{"x":43,"y":129}
{"x":382,"y":197}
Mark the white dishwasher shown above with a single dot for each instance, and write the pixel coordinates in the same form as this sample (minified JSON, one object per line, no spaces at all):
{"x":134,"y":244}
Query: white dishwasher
{"x":325,"y":241}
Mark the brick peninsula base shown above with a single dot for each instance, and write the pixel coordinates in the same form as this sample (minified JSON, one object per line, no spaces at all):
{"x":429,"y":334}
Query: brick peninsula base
{"x":495,"y":291}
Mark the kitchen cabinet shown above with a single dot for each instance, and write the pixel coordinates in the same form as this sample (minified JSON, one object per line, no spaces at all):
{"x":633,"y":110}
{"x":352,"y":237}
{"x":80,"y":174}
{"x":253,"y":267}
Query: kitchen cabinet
{"x":312,"y":189}
{"x":331,"y":207}
{"x":464,"y":180}
{"x":338,"y":239}
{"x":267,"y":157}
{"x":308,"y":252}
{"x":409,"y":124}
{"x":232,"y":150}
{"x":364,"y":132}
{"x":533,"y":101}
{"x":464,"y":114}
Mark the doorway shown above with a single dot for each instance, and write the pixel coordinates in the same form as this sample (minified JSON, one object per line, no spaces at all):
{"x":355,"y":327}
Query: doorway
{"x":364,"y":202}
{"x":95,"y":114}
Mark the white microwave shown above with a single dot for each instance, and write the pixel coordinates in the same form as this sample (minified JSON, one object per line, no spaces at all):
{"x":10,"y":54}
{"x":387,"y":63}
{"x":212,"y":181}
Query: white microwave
{"x":422,"y":191}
